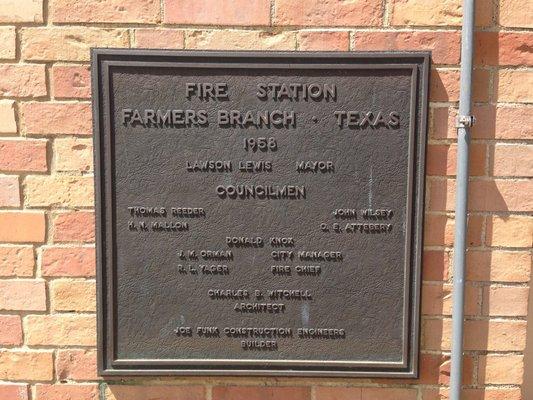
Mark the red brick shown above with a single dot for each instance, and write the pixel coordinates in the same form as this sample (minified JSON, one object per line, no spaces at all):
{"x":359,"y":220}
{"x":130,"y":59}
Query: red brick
{"x":337,"y":393}
{"x":437,"y":300}
{"x":14,"y":391}
{"x":474,"y":394}
{"x":27,"y":295}
{"x":503,"y":48}
{"x":443,"y":123}
{"x":328,"y":12}
{"x":22,"y":80}
{"x":77,"y":365}
{"x":124,"y":11}
{"x":67,"y":392}
{"x":71,"y":81}
{"x":444,"y":85}
{"x":323,"y":40}
{"x":9,"y":191}
{"x":7,"y":117}
{"x":442,"y":159}
{"x":22,"y":226}
{"x":436,"y":12}
{"x":68,"y":261}
{"x":60,"y":330}
{"x":10,"y":332}
{"x":56,"y":118}
{"x":484,"y":195}
{"x":23,"y":155}
{"x":507,"y":301}
{"x":516,"y":13}
{"x":73,"y":226}
{"x":159,"y":38}
{"x":439,"y":230}
{"x":435,"y":265}
{"x":127,"y":392}
{"x":16,"y":261}
{"x":511,"y":231}
{"x":260,"y":393}
{"x":445,"y":46}
{"x":512,"y":160}
{"x":514,"y":86}
{"x":501,"y":369}
{"x":26,"y":365}
{"x":501,"y":122}
{"x":498,"y":266}
{"x":216,"y":12}
{"x":388,"y":394}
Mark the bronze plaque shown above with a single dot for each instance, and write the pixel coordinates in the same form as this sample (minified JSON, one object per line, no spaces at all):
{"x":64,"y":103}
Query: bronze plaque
{"x":259,"y":213}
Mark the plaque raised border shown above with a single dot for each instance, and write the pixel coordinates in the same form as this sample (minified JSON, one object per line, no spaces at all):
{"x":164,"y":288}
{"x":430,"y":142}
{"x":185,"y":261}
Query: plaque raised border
{"x":103,"y":59}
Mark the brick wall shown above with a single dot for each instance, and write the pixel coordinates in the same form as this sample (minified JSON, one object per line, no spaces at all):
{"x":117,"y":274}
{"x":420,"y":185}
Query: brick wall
{"x":47,"y":286}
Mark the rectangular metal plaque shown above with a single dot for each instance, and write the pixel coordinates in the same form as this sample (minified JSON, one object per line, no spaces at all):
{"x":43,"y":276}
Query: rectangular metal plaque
{"x":259,"y":213}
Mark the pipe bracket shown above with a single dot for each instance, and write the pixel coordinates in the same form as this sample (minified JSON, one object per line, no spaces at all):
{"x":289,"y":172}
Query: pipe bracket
{"x":465,"y":121}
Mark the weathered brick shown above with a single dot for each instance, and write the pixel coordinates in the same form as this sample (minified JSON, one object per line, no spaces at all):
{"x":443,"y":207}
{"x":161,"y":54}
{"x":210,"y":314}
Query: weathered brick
{"x":216,"y":12}
{"x":73,"y":295}
{"x":514,"y":86}
{"x":159,"y":38}
{"x":507,"y":301}
{"x":68,"y":43}
{"x":442,"y":159}
{"x":9,"y":191}
{"x":437,"y":300}
{"x":16,"y":261}
{"x":71,"y":81}
{"x":22,"y":226}
{"x":77,"y":365}
{"x":22,"y":80}
{"x":73,"y":154}
{"x":373,"y":393}
{"x":501,"y":122}
{"x":14,"y":391}
{"x":445,"y":46}
{"x":131,"y":392}
{"x":328,"y":12}
{"x":260,"y":392}
{"x":323,"y":40}
{"x":435,"y":265}
{"x":23,"y":155}
{"x":56,"y":118}
{"x":68,"y":261}
{"x":7,"y":43}
{"x":512,"y":160}
{"x":60,"y":330}
{"x":22,"y":295}
{"x":437,"y":12}
{"x":442,"y":123}
{"x":21,"y":11}
{"x":503,"y":48}
{"x":240,"y":40}
{"x":67,"y":392}
{"x":516,"y":13}
{"x":59,"y":190}
{"x":511,"y":231}
{"x":26,"y":365}
{"x":75,"y":226}
{"x":8,"y":123}
{"x":10,"y":331}
{"x":124,"y":11}
{"x":439,"y":230}
{"x":501,"y":369}
{"x":484,"y":195}
{"x":498,"y":266}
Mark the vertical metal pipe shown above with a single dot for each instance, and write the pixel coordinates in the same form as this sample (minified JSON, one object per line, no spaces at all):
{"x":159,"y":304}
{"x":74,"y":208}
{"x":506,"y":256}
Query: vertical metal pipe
{"x":464,"y":122}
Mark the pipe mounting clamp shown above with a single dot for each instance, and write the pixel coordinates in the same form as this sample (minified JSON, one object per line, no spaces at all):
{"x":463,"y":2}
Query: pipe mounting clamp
{"x":465,"y":121}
